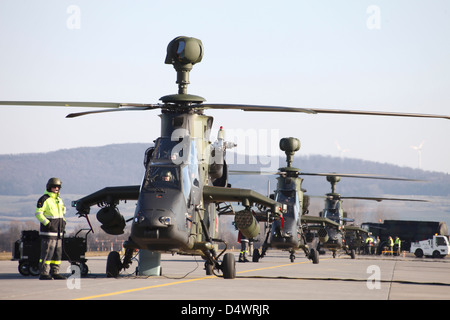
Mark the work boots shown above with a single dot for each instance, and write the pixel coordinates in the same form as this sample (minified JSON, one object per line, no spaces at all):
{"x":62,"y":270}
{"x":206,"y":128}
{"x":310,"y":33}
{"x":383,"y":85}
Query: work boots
{"x":242,"y":257}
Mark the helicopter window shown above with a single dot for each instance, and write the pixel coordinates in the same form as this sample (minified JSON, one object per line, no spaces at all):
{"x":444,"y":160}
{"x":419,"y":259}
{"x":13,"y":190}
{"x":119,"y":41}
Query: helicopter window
{"x":332,"y":211}
{"x":186,"y":182}
{"x":290,"y":212}
{"x":162,"y":177}
{"x":193,"y":165}
{"x":163,"y":150}
{"x":289,"y":197}
{"x":286,"y":196}
{"x":190,"y":175}
{"x":331,"y":214}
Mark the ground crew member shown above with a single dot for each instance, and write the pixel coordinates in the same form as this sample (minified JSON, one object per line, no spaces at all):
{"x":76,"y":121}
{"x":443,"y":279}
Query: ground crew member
{"x":369,"y":245}
{"x":376,"y":243}
{"x":397,"y":245}
{"x":391,"y":245}
{"x":50,"y":212}
{"x":244,"y":244}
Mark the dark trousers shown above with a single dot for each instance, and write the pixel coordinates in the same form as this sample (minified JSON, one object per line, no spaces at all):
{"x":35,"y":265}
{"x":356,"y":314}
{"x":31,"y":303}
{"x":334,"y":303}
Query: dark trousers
{"x":51,"y":255}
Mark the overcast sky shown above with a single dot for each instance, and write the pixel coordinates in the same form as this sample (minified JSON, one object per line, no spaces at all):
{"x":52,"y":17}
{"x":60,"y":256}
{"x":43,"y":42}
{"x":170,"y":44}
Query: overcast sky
{"x":364,"y":55}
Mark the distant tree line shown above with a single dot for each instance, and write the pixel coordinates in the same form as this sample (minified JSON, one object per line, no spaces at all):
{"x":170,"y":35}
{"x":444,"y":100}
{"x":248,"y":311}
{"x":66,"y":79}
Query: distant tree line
{"x":86,"y":170}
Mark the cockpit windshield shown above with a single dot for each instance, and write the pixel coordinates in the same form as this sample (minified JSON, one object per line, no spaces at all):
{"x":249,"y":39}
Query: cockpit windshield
{"x":332,"y":210}
{"x":289,"y":198}
{"x":165,"y":150}
{"x":286,"y":196}
{"x":164,"y":172}
{"x":162,"y":177}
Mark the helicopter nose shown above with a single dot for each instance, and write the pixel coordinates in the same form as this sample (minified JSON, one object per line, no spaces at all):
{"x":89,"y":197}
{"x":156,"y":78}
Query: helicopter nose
{"x":160,"y":221}
{"x":283,"y":236}
{"x":160,"y":209}
{"x":158,"y":218}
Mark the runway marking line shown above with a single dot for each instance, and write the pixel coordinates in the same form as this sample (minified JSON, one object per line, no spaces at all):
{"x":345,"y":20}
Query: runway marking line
{"x":143,"y":288}
{"x":180,"y":282}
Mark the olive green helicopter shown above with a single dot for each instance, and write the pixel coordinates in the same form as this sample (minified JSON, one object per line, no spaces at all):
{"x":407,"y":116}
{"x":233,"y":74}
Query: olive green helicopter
{"x":186,"y":175}
{"x":336,"y":234}
{"x":296,"y":229}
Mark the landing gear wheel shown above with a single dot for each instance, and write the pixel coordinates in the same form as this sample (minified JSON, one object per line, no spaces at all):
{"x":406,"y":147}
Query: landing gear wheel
{"x":113,"y":265}
{"x":292,"y":257}
{"x":208,"y":268}
{"x":314,"y":256}
{"x":256,"y":255}
{"x":229,"y":266}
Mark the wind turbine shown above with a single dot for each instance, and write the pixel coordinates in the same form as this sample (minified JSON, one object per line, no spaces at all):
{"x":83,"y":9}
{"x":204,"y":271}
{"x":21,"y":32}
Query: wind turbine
{"x":419,"y":152}
{"x":341,"y":151}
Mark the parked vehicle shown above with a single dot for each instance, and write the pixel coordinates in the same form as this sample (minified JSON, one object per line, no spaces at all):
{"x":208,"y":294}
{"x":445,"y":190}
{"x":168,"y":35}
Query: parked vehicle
{"x":437,"y":247}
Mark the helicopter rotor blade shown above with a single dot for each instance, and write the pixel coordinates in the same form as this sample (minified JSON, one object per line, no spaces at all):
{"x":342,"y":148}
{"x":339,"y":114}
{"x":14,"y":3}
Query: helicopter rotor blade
{"x":347,"y":175}
{"x":380,"y":113}
{"x":116,"y":106}
{"x":379,"y":199}
{"x":316,"y":111}
{"x":359,"y":175}
{"x":62,"y":104}
{"x":255,"y":108}
{"x":79,"y":114}
{"x":243,"y":107}
{"x":243,"y":172}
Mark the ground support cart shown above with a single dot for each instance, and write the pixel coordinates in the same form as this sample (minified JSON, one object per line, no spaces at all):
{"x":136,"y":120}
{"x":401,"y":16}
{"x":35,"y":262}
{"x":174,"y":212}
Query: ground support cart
{"x":27,"y":251}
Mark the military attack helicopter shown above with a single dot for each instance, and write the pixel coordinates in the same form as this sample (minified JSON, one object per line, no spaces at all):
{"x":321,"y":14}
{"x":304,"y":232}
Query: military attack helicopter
{"x":337,"y":235}
{"x":186,"y":176}
{"x":296,"y":230}
{"x":287,"y":233}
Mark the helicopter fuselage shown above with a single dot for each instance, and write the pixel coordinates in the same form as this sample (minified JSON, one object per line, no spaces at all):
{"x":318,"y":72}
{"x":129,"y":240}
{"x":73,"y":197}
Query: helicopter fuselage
{"x":170,"y":206}
{"x":334,"y":237}
{"x":286,"y":234}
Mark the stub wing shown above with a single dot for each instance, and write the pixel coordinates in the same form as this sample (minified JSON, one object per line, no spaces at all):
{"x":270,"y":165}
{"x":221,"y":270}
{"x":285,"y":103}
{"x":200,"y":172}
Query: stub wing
{"x":245,"y":196}
{"x":355,"y":229}
{"x":106,"y":195}
{"x":317,"y":222}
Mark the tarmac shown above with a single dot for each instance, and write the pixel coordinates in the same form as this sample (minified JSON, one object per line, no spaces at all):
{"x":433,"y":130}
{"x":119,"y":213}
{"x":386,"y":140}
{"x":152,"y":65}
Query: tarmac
{"x":273,"y":278}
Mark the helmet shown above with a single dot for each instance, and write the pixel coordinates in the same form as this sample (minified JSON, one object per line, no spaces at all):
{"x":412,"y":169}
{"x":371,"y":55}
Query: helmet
{"x":53,"y":182}
{"x":167,"y":176}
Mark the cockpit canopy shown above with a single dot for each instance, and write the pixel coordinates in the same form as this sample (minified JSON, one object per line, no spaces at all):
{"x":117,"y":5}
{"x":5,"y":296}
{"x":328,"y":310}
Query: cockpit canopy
{"x":289,"y":197}
{"x":167,"y":150}
{"x":163,"y":177}
{"x":332,"y":210}
{"x":172,"y":165}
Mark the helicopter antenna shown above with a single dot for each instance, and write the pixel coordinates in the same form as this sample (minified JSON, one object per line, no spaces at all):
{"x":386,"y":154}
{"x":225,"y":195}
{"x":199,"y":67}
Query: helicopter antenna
{"x":333,"y":180}
{"x":290,"y":146}
{"x":183,"y":53}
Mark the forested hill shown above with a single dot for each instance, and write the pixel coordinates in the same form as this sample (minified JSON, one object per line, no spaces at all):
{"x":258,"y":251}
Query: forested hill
{"x":86,"y":170}
{"x":81,"y":170}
